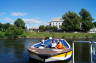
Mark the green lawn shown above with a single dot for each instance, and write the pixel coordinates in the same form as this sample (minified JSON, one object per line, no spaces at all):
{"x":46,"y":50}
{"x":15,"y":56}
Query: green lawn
{"x":54,"y":34}
{"x":58,"y":35}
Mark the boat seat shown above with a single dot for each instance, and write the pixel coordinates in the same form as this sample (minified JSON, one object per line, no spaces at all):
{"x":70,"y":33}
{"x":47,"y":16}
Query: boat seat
{"x":47,"y":43}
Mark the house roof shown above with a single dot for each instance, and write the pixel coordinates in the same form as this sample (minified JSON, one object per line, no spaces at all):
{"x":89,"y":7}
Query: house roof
{"x":57,"y":19}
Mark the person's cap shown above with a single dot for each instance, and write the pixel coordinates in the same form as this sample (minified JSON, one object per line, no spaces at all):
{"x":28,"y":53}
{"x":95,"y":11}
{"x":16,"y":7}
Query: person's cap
{"x":42,"y":40}
{"x":50,"y":37}
{"x":57,"y":39}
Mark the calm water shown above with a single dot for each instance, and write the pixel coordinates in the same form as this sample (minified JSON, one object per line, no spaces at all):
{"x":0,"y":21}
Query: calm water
{"x":14,"y":51}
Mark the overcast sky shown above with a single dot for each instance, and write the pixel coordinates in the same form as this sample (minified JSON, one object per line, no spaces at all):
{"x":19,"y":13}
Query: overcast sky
{"x":40,"y":12}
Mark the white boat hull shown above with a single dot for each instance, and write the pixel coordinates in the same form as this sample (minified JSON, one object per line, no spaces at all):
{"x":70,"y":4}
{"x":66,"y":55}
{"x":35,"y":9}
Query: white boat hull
{"x":59,"y":57}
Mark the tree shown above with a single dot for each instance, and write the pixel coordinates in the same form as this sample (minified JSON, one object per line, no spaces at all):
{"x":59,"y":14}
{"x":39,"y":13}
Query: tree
{"x":94,"y":24}
{"x":19,"y":23}
{"x":14,"y":32}
{"x":42,"y":28}
{"x":86,"y":20}
{"x":51,"y":28}
{"x":1,"y":25}
{"x":6,"y":26}
{"x":71,"y":21}
{"x":54,"y":28}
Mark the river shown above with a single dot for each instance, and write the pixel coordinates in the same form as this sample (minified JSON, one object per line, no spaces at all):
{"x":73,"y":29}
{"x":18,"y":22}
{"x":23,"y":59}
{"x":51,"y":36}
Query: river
{"x":15,"y":51}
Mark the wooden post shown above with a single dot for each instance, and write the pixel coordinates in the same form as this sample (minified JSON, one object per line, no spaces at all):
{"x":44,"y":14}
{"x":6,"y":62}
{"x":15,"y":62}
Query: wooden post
{"x":73,"y":52}
{"x":91,"y":53}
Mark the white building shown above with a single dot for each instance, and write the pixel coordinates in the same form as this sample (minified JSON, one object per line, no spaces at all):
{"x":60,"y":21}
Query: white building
{"x":93,"y":30}
{"x":56,"y":22}
{"x":33,"y":29}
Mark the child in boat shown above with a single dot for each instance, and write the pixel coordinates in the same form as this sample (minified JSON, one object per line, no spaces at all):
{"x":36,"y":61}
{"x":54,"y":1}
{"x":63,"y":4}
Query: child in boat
{"x":60,"y":45}
{"x":53,"y":44}
{"x":42,"y":44}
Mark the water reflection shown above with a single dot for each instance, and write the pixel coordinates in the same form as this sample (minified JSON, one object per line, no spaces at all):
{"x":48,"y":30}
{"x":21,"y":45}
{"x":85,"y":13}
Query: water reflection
{"x":15,"y":51}
{"x":82,"y":52}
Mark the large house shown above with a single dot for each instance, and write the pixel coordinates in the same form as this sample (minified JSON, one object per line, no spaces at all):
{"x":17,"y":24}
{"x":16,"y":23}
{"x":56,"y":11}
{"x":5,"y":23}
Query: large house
{"x":93,"y":30}
{"x":56,"y":22}
{"x":33,"y":29}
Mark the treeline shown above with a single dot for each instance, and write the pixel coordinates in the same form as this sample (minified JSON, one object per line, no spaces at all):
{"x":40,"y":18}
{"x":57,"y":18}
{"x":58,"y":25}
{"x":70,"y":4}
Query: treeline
{"x":43,"y":28}
{"x":81,"y":22}
{"x":8,"y":30}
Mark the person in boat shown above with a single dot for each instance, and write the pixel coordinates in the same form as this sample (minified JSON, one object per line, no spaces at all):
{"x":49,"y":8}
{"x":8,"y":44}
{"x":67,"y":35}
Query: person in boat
{"x":45,"y":45}
{"x":50,"y":38}
{"x":59,"y":45}
{"x":53,"y":44}
{"x":42,"y":44}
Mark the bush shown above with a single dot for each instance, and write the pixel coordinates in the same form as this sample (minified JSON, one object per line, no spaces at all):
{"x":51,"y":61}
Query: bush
{"x":2,"y":34}
{"x":14,"y":32}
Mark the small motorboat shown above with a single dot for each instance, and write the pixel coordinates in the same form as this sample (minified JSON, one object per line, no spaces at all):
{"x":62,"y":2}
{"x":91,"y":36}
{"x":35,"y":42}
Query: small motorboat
{"x":48,"y":54}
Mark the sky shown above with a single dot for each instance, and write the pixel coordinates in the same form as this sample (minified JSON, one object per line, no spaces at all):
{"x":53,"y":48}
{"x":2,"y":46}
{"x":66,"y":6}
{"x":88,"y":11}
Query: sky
{"x":40,"y":12}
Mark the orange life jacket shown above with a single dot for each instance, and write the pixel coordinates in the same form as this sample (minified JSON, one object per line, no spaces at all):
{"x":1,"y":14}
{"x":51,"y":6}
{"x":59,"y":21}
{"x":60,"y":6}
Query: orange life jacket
{"x":59,"y":46}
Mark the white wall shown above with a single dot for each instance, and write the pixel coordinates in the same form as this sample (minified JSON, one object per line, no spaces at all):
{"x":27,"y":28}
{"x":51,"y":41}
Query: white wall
{"x":56,"y":23}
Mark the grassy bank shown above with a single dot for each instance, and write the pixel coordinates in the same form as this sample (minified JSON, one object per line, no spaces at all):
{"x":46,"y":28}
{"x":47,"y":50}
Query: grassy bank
{"x":54,"y":34}
{"x":58,"y":35}
{"x":2,"y":34}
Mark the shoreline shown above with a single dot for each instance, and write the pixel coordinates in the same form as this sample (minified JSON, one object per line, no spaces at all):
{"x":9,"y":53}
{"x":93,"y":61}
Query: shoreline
{"x":59,"y":35}
{"x":42,"y":35}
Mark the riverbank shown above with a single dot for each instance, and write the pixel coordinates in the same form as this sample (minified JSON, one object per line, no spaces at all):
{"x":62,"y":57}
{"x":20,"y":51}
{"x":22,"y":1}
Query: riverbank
{"x":58,"y":35}
{"x":53,"y":34}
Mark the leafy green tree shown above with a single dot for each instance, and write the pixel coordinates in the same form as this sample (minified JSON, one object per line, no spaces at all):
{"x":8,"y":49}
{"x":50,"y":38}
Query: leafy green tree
{"x":51,"y":28}
{"x":71,"y":21}
{"x":1,"y":27}
{"x":94,"y":24}
{"x":41,"y":28}
{"x":86,"y":20}
{"x":48,"y":28}
{"x":54,"y":28}
{"x":2,"y":34}
{"x":19,"y":23}
{"x":6,"y":26}
{"x":14,"y":32}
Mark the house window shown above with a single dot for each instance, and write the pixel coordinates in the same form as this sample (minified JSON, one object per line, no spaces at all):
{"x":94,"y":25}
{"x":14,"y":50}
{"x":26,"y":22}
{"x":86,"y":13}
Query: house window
{"x":53,"y":23}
